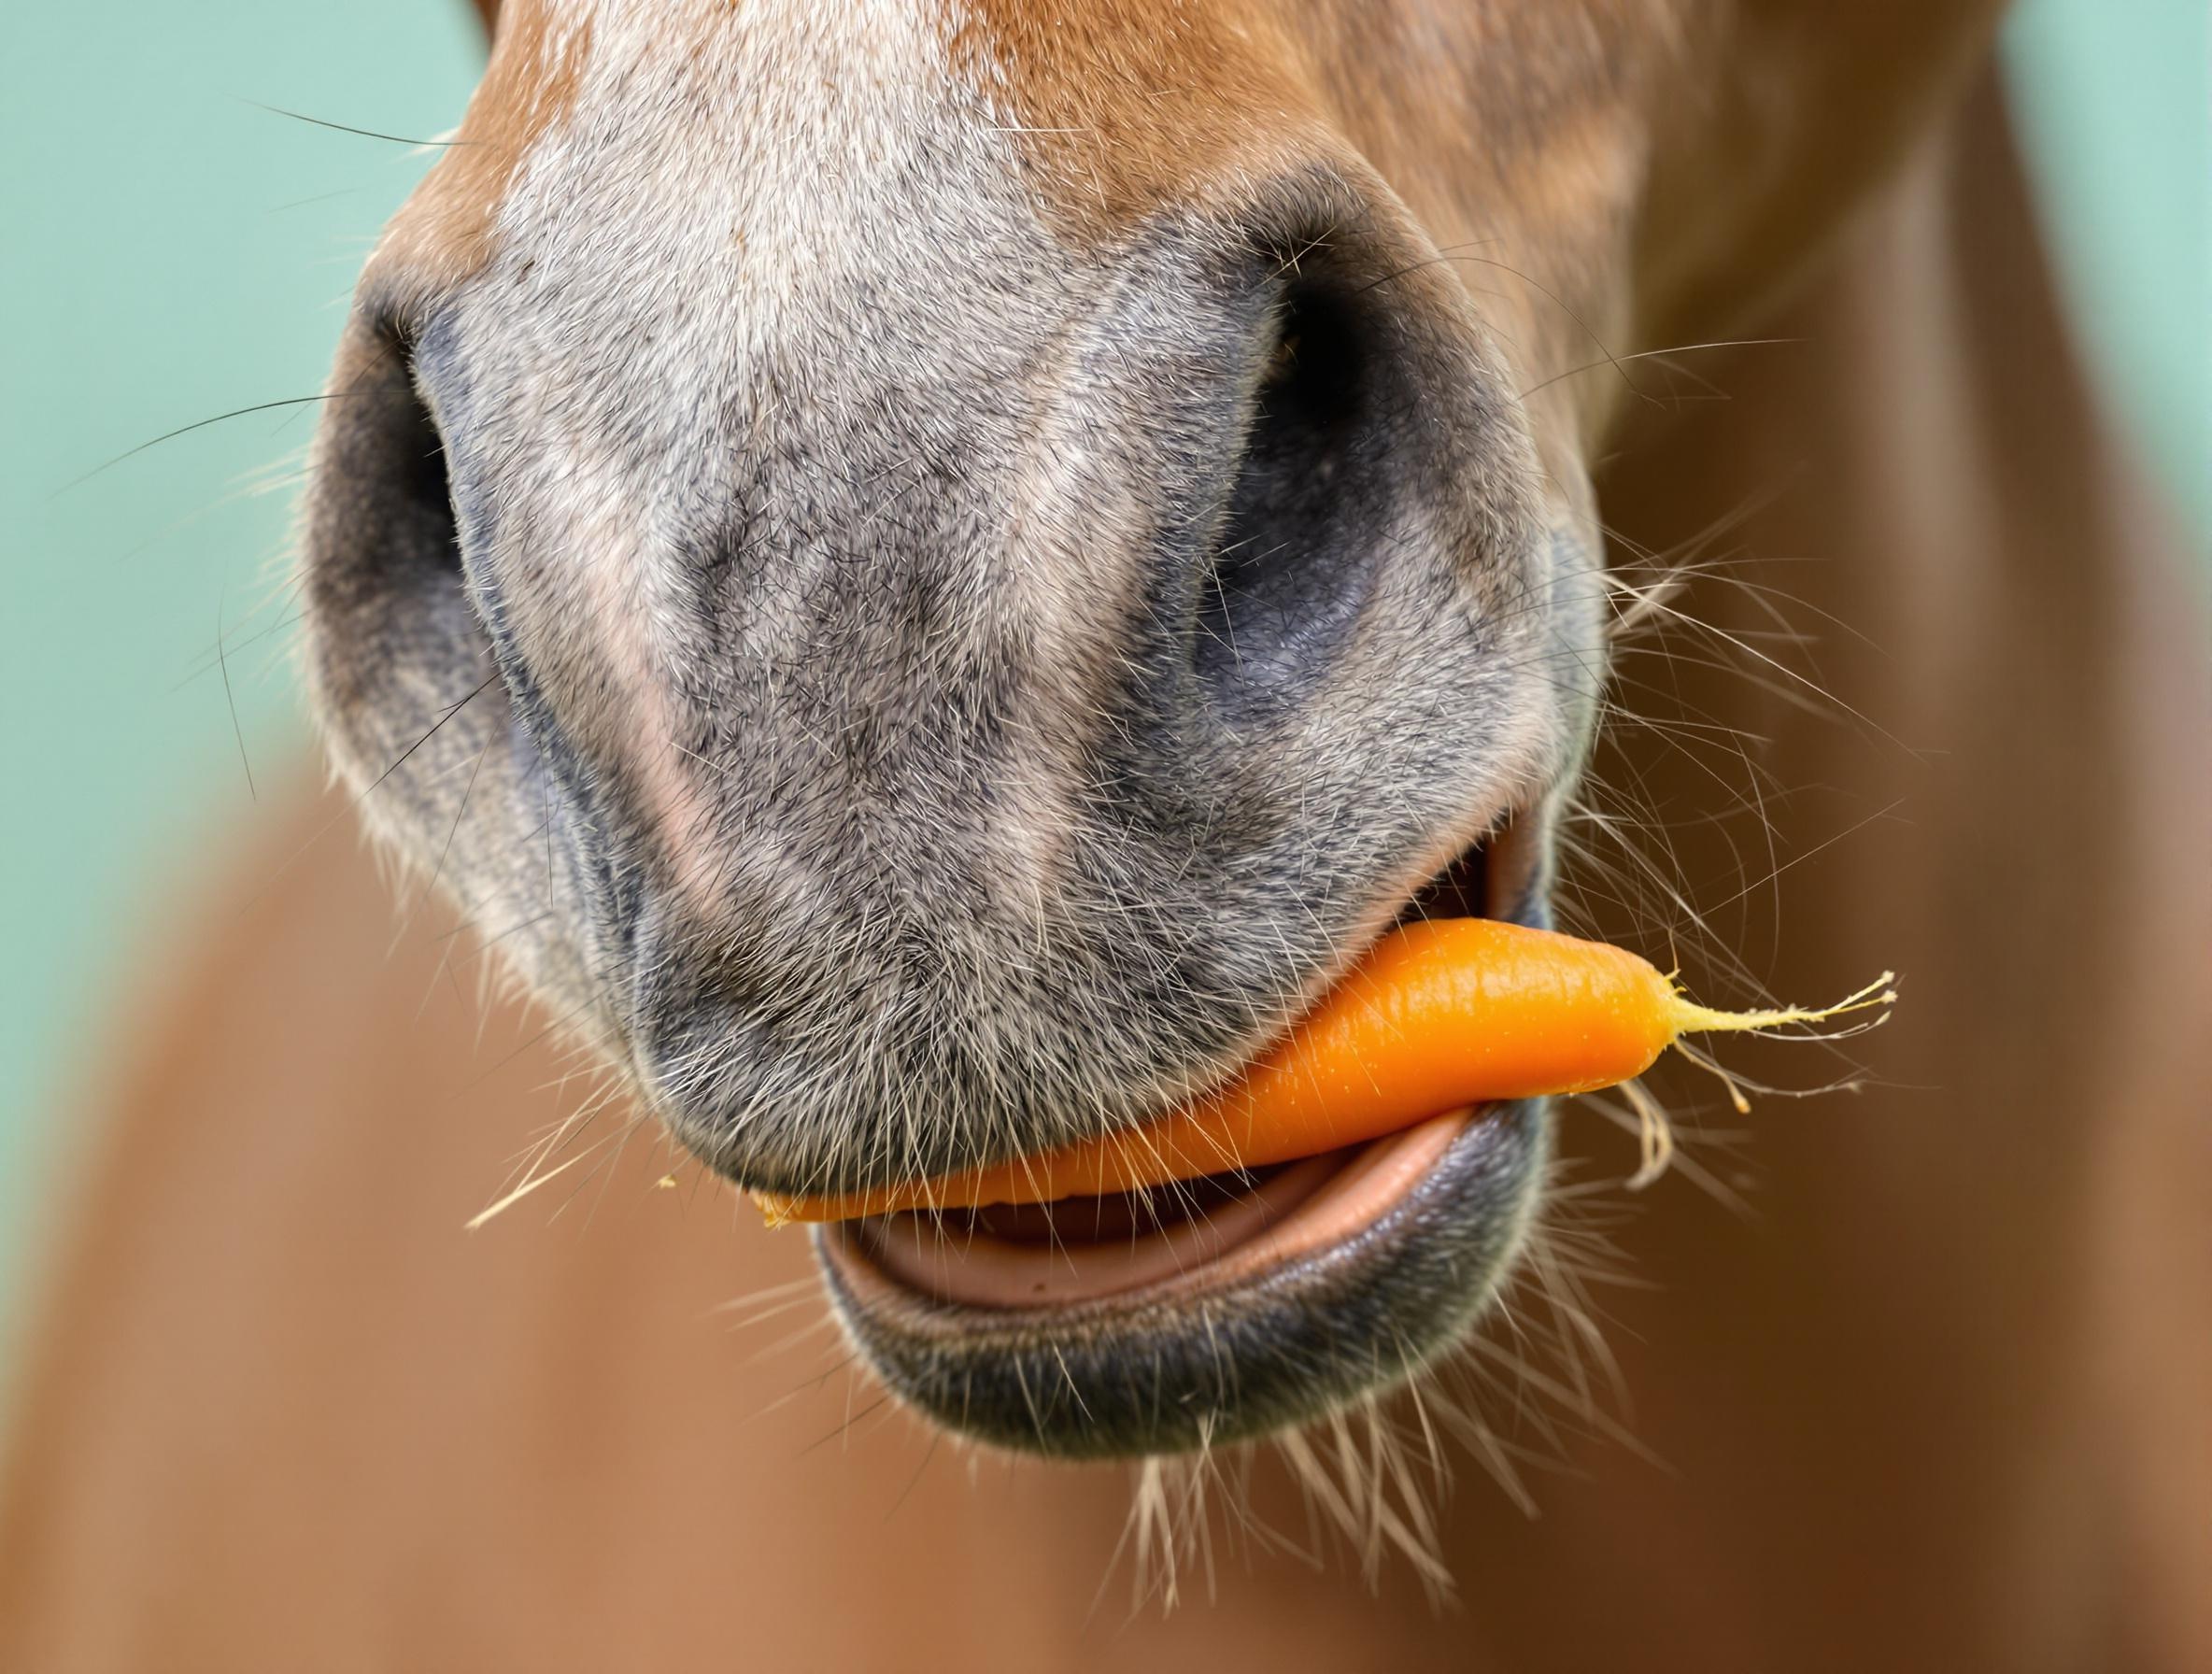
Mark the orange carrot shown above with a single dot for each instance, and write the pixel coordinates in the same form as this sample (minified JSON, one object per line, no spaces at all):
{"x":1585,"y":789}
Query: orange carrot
{"x":1438,"y":1016}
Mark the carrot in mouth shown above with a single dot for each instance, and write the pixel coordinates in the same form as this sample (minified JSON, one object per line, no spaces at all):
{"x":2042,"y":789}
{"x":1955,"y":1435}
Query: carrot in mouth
{"x":1438,"y":1016}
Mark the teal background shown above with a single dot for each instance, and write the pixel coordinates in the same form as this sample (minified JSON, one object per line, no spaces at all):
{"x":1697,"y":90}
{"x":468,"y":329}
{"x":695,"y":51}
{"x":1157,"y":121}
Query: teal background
{"x":168,"y":251}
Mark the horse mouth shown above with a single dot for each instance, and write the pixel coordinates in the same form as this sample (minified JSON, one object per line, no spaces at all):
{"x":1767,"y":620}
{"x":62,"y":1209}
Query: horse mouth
{"x":1212,"y":1309}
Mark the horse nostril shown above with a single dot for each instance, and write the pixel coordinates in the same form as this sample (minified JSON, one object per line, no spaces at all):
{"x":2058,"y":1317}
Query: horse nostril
{"x":382,"y":533}
{"x":1297,"y":546}
{"x":382,"y":575}
{"x":404,"y":455}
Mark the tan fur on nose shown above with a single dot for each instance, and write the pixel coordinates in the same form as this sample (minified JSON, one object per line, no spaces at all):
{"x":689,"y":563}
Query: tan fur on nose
{"x":443,"y":237}
{"x":1126,"y":109}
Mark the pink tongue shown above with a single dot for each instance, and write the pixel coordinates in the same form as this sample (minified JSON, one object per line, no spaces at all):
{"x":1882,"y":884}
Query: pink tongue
{"x":1309,"y":1206}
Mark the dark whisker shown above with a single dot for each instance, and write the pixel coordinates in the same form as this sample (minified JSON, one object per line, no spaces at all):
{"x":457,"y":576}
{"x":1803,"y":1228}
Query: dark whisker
{"x":397,"y":139}
{"x":223,"y":661}
{"x":186,"y":430}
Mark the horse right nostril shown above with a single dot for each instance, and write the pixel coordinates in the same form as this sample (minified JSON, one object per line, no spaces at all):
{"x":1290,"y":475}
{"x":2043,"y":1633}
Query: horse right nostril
{"x":1297,"y":550}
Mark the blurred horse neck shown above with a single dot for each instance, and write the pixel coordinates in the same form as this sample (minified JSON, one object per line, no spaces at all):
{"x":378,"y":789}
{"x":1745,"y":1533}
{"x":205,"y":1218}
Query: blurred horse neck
{"x":1981,"y":1278}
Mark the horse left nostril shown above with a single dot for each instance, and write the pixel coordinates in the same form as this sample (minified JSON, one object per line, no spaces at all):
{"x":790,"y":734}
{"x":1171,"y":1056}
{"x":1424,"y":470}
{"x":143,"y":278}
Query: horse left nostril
{"x":1296,"y":552}
{"x":383,"y":554}
{"x":394,"y":643}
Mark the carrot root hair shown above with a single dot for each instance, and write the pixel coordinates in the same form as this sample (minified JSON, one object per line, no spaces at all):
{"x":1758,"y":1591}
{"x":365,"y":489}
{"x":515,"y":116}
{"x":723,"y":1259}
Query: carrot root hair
{"x":1654,"y":1135}
{"x":1688,"y":1017}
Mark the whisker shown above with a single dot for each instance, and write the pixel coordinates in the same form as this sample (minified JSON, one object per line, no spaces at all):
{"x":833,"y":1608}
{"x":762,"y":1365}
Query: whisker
{"x":318,"y":121}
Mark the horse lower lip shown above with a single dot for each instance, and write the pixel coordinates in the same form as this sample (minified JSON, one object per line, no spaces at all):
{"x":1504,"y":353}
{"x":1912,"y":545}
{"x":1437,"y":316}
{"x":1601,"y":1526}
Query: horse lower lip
{"x":1293,"y":1214}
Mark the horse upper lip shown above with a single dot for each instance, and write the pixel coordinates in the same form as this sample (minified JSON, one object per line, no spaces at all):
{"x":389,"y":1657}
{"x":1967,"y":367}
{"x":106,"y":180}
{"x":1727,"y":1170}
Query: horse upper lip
{"x":1086,"y":1248}
{"x":1467,"y":886}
